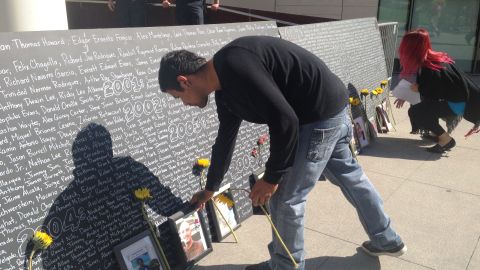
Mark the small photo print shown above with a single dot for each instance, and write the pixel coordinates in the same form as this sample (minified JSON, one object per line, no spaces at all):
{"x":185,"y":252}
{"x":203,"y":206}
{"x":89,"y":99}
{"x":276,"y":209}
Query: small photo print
{"x":381,"y":124}
{"x":229,"y":214}
{"x":190,"y":231}
{"x":224,"y":211}
{"x":386,"y":118}
{"x":371,"y":127}
{"x":138,"y":253}
{"x":361,"y":131}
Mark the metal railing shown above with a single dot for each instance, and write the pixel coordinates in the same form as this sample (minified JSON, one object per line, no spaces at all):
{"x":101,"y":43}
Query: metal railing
{"x":388,"y":33}
{"x":247,"y":14}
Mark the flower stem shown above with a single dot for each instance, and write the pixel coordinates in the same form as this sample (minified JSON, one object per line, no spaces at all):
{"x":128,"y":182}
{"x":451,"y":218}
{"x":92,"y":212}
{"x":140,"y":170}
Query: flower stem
{"x":202,"y":176}
{"x":226,"y":221}
{"x":152,"y":230}
{"x":30,"y":259}
{"x":295,"y":264}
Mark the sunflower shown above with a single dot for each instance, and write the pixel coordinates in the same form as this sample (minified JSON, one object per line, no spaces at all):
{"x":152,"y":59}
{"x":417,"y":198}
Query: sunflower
{"x":41,"y":240}
{"x":203,"y":162}
{"x":142,"y":194}
{"x":222,"y":198}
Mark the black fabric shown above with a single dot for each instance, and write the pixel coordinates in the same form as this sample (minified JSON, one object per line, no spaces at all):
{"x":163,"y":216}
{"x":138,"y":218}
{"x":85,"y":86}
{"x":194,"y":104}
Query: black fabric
{"x":270,"y":81}
{"x":190,"y":12}
{"x":131,"y":13}
{"x":426,"y":115}
{"x":451,"y":84}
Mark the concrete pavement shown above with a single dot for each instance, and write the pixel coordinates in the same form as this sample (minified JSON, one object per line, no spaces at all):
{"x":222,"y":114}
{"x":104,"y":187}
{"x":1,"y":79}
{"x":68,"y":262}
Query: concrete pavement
{"x":433,"y":200}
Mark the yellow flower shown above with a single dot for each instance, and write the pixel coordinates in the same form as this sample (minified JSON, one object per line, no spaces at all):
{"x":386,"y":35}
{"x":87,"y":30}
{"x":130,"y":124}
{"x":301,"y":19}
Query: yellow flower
{"x":142,"y":194}
{"x":379,"y":90}
{"x":221,"y":198}
{"x":364,"y":92}
{"x":41,"y":240}
{"x":356,"y":101}
{"x":374,"y":92}
{"x":383,"y":83}
{"x":204,"y":163}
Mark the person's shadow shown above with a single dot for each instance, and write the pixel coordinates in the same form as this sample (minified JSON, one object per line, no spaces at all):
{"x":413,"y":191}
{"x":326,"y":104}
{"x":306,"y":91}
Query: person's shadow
{"x":98,"y":209}
{"x":358,"y":261}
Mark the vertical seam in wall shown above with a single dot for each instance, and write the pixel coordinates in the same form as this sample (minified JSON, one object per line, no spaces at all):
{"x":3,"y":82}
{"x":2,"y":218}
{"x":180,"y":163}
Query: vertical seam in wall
{"x":341,"y":13}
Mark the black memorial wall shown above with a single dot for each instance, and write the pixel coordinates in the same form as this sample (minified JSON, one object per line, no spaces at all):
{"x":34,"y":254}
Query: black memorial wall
{"x":83,"y":123}
{"x":352,"y":49}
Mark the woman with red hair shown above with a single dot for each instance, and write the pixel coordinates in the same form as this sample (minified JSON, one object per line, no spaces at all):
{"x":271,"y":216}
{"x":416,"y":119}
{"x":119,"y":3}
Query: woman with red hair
{"x":446,"y":91}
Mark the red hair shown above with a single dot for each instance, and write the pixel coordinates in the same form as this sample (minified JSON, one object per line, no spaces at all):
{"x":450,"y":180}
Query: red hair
{"x":416,"y":52}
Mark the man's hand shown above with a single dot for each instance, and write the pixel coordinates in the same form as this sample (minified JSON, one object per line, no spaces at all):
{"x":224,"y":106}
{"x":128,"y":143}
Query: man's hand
{"x":200,"y":198}
{"x":111,"y":5}
{"x":398,"y":103}
{"x":261,"y":192}
{"x":215,"y":7}
{"x":166,"y":4}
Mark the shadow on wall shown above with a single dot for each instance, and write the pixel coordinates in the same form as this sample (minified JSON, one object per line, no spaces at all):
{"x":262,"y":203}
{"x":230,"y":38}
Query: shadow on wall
{"x":98,"y":209}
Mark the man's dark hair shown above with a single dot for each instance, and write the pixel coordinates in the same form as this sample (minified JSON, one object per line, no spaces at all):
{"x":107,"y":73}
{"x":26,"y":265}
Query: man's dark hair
{"x":177,"y":63}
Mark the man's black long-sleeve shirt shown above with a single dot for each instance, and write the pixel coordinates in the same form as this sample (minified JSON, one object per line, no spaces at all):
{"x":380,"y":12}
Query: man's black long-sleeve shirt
{"x":271,"y":81}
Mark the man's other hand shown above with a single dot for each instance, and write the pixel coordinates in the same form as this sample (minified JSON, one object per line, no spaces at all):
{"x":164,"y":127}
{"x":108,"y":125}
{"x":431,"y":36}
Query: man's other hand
{"x":166,"y":4}
{"x":215,"y":7}
{"x":111,"y":5}
{"x":200,"y":198}
{"x":261,"y":192}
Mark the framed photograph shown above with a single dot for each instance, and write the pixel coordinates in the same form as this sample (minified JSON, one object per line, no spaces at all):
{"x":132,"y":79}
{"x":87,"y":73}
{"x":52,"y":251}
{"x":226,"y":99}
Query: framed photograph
{"x":371,"y":127}
{"x":385,"y":116}
{"x":192,"y":241}
{"x":139,"y":253}
{"x":361,"y":131}
{"x":354,"y":142}
{"x":379,"y":117}
{"x":253,"y":178}
{"x":225,"y":208}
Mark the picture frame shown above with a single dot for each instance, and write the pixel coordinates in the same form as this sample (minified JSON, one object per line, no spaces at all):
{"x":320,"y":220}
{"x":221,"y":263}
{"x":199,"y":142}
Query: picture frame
{"x":139,"y":252}
{"x":191,"y":239}
{"x":228,"y":211}
{"x":385,"y":116}
{"x":354,"y":142}
{"x":371,"y":128}
{"x":379,"y":117}
{"x":252,"y":179}
{"x":361,"y":131}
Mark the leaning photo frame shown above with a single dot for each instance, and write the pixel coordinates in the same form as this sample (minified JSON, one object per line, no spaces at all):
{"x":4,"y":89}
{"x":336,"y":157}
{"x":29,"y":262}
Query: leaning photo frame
{"x":361,"y":131}
{"x":139,"y":252}
{"x":192,"y":242}
{"x":225,"y":211}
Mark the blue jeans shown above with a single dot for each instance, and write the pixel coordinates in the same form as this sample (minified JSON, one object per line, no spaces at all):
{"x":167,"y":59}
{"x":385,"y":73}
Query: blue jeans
{"x":324,"y":147}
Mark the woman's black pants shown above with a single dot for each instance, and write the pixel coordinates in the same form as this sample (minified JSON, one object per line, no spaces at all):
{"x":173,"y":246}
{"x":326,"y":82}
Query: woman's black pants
{"x":425,"y":115}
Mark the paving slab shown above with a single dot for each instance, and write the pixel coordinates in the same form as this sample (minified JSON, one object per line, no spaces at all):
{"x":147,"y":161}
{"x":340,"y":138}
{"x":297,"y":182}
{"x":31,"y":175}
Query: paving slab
{"x":329,"y":212}
{"x":254,"y":235}
{"x":351,"y":257}
{"x":475,"y":260}
{"x":439,"y":226}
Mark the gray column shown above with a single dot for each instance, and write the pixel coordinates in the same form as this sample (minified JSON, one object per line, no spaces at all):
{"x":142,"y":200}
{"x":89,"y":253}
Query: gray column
{"x":32,"y":15}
